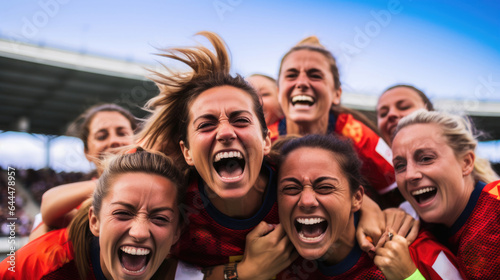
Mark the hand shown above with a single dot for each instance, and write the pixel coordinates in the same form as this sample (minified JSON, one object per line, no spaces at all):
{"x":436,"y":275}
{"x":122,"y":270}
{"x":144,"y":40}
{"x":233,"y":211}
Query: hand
{"x":404,"y":224}
{"x":371,"y":226}
{"x":393,"y":257}
{"x":267,"y":252}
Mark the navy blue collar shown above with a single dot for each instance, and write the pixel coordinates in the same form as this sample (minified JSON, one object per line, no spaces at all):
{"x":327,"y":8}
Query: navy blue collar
{"x":269,"y":200}
{"x":460,"y":222}
{"x":95,"y":258}
{"x":332,"y":120}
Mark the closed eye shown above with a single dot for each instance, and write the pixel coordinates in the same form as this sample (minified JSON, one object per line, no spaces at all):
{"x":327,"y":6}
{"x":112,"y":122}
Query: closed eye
{"x":123,"y":215}
{"x":291,"y":190}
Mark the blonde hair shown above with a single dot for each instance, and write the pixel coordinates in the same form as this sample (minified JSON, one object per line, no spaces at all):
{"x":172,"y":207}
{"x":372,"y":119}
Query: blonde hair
{"x":460,"y":135}
{"x":167,"y":125}
{"x":141,"y":161}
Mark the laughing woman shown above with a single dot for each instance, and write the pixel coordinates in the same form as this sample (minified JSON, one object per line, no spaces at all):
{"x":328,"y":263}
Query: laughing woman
{"x":319,"y":196}
{"x":125,"y":232}
{"x":438,"y":173}
{"x":213,"y":124}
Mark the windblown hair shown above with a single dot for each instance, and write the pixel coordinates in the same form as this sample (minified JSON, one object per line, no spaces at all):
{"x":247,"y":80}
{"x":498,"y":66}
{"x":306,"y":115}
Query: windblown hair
{"x":80,"y":126}
{"x":460,"y":135}
{"x":154,"y":163}
{"x":345,"y":155}
{"x":421,"y":94}
{"x":312,"y":43}
{"x":167,"y":125}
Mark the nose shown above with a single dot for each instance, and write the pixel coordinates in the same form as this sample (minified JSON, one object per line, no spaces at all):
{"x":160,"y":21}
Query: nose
{"x":226,"y":132}
{"x":302,"y":81}
{"x":116,"y":140}
{"x":413,"y":174}
{"x":139,"y":229}
{"x":308,"y":199}
{"x":392,"y":115}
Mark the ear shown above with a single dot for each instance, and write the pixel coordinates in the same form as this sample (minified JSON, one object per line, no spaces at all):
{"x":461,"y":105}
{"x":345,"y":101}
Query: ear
{"x":337,"y":93}
{"x":468,"y":163}
{"x":93,"y":222}
{"x":187,"y":154}
{"x":267,"y":143}
{"x":357,"y":199}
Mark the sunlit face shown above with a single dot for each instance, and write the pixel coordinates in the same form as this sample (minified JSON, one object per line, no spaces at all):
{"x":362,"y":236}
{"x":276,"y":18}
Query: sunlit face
{"x":268,"y":92}
{"x":306,"y":87}
{"x":107,"y":130}
{"x":315,"y":204}
{"x":226,"y":145}
{"x":137,"y":225}
{"x":428,"y":173}
{"x":393,"y":105}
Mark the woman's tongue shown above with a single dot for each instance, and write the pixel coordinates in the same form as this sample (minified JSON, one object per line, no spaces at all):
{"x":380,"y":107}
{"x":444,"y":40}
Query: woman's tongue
{"x":311,"y":231}
{"x":133,"y":262}
{"x":229,"y":169}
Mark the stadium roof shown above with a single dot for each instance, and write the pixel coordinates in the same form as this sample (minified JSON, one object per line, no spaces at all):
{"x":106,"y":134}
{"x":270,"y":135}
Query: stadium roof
{"x":43,"y":89}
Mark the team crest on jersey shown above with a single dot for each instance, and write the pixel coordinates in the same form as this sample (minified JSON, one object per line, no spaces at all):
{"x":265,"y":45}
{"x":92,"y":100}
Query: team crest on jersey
{"x":353,"y":130}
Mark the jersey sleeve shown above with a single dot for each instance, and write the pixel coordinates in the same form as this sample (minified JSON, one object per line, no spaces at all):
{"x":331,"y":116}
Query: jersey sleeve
{"x":372,"y":150}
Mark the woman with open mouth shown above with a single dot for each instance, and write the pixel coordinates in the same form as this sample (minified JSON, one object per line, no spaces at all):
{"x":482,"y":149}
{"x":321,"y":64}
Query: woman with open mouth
{"x":309,"y":94}
{"x":453,"y":191}
{"x":319,"y":196}
{"x":125,"y":231}
{"x":103,"y":128}
{"x":212,"y":123}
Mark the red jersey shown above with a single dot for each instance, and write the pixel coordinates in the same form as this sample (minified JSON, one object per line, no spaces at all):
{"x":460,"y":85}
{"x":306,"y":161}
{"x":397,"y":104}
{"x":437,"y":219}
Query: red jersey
{"x":432,"y":259}
{"x":212,"y":238}
{"x":372,"y":150}
{"x":50,"y":256}
{"x":475,"y":236}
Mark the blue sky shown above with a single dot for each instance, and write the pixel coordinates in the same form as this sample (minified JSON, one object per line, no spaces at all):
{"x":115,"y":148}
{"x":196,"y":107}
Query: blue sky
{"x":449,"y":49}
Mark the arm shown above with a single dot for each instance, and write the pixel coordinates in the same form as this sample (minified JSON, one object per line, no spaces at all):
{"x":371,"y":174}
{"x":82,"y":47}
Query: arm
{"x":59,"y":203}
{"x":267,"y":252}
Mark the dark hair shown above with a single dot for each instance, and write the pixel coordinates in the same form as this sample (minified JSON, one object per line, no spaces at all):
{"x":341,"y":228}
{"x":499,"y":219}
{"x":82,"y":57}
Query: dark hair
{"x":80,"y":126}
{"x":425,"y":99}
{"x":139,"y":161}
{"x":167,"y":124}
{"x":346,"y":156}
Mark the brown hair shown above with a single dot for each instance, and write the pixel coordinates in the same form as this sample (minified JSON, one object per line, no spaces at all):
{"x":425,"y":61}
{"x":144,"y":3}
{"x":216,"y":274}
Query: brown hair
{"x":141,"y":161}
{"x":421,"y":94}
{"x":80,"y":126}
{"x":312,"y":43}
{"x":167,"y":125}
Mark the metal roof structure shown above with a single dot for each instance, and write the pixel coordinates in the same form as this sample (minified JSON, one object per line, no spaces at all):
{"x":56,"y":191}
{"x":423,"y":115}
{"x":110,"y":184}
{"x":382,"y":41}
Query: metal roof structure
{"x":43,"y":89}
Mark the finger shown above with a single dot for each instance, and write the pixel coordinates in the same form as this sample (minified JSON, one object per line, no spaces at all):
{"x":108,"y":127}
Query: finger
{"x":413,"y":232}
{"x":406,"y":226}
{"x":278,"y":232}
{"x":383,"y":239}
{"x":364,"y":243}
{"x":396,"y":219}
{"x":260,"y":230}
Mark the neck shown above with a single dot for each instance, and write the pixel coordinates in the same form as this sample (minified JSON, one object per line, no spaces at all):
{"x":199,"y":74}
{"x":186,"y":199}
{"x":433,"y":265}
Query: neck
{"x":304,"y":128}
{"x":461,"y":202}
{"x":341,"y":248}
{"x":245,"y":207}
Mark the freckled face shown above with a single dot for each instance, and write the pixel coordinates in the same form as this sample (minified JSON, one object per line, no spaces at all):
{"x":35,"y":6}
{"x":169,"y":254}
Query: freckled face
{"x":306,"y":87}
{"x":428,"y":173}
{"x":137,"y":225}
{"x":226,"y":145}
{"x":393,"y":105}
{"x":315,"y":204}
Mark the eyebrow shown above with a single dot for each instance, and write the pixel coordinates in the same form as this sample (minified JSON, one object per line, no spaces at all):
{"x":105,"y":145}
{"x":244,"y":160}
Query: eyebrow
{"x":212,"y":117}
{"x":318,"y":180}
{"x":131,"y":207}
